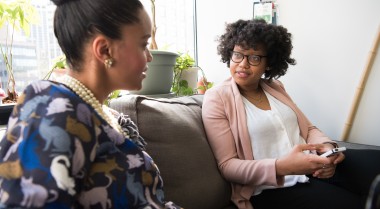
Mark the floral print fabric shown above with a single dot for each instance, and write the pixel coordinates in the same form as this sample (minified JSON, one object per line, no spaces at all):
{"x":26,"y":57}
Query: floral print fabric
{"x":59,"y":153}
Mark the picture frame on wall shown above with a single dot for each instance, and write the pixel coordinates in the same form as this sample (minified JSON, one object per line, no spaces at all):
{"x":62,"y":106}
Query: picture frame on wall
{"x":266,"y":10}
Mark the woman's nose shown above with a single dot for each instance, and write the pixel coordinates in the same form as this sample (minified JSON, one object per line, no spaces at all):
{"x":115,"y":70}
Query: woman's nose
{"x":149,"y":56}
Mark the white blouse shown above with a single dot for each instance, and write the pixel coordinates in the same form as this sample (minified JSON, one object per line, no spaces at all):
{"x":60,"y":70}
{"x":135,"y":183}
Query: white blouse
{"x":273,"y":134}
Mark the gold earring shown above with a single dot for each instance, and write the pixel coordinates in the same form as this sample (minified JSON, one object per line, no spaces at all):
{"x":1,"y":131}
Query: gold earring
{"x":108,"y":63}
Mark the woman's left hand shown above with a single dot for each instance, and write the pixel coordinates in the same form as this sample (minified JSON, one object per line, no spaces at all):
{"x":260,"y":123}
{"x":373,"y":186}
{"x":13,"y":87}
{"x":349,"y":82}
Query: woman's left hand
{"x":328,"y":170}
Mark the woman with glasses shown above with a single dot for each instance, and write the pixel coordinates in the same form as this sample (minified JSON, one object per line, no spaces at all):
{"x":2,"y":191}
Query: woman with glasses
{"x":264,"y":145}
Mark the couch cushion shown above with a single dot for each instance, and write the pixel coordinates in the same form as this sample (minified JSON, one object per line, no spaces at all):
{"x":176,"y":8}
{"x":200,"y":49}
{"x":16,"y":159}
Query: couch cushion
{"x":177,"y":142}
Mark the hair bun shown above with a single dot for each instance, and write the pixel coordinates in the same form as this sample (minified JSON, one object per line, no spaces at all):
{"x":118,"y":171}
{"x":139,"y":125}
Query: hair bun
{"x":60,"y":2}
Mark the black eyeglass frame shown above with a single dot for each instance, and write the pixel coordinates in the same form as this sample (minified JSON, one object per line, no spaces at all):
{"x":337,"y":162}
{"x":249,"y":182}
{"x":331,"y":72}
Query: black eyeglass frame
{"x":248,"y":56}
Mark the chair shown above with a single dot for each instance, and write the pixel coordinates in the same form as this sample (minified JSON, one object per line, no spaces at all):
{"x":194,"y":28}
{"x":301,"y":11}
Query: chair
{"x":373,"y":200}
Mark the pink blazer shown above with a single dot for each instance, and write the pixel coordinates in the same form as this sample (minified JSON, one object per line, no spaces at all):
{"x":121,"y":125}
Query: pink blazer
{"x":225,"y":123}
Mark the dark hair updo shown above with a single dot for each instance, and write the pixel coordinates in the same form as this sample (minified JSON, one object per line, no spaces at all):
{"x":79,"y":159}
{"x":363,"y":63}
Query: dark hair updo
{"x":76,"y":21}
{"x":250,"y":33}
{"x":60,"y":2}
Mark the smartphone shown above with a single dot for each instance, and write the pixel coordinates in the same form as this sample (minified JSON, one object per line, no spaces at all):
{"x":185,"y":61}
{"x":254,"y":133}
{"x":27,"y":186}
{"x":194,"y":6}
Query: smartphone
{"x":333,"y":151}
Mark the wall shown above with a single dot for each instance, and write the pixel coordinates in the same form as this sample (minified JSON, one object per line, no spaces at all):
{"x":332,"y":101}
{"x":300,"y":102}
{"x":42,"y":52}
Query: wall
{"x":332,"y":41}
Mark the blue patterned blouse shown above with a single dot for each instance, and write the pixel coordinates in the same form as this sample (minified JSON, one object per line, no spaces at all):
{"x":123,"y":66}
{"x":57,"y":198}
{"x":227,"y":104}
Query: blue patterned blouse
{"x":59,"y":153}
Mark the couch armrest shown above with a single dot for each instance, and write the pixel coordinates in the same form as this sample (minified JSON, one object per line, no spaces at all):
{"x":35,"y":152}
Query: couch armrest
{"x":351,"y":145}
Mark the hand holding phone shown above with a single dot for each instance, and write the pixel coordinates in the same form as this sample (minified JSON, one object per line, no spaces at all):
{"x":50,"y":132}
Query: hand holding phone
{"x":333,"y":151}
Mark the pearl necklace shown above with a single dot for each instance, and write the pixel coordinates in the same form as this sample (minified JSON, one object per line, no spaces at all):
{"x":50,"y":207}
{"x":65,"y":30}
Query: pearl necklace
{"x":83,"y":92}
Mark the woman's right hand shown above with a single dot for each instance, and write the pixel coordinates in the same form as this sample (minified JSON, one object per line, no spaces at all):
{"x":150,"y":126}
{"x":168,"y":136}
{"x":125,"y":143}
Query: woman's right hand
{"x":300,"y":162}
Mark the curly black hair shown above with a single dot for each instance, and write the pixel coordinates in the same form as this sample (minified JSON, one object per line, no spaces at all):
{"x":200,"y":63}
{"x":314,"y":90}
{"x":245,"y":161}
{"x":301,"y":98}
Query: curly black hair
{"x":249,"y":33}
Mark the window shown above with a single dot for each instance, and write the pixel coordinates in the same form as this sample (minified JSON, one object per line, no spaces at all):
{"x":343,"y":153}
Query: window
{"x":175,"y":24}
{"x":34,"y":55}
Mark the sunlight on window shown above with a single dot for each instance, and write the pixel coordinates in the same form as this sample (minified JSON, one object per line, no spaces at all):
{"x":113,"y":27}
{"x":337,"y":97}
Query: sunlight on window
{"x":175,"y":24}
{"x":35,"y":54}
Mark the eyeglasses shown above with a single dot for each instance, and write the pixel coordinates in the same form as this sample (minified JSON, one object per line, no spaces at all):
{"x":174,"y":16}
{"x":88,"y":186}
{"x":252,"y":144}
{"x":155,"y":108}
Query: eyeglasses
{"x":253,"y":60}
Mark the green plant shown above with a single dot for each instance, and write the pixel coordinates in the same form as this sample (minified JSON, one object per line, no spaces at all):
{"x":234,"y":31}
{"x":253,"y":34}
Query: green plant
{"x":60,"y":63}
{"x":113,"y":95}
{"x":181,"y":87}
{"x":203,"y":84}
{"x":14,"y":15}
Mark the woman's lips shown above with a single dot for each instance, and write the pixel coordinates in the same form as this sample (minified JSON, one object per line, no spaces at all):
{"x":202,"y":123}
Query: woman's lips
{"x":242,"y":74}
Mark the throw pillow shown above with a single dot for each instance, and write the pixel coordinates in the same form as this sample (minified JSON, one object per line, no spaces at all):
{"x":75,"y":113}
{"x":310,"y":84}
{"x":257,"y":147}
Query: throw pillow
{"x":177,"y":142}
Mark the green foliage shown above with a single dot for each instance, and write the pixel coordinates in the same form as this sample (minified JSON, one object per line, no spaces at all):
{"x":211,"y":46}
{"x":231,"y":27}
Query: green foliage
{"x":19,"y":14}
{"x":181,"y":87}
{"x":14,"y":15}
{"x":60,"y":63}
{"x":112,"y":95}
{"x":183,"y":62}
{"x":203,"y":84}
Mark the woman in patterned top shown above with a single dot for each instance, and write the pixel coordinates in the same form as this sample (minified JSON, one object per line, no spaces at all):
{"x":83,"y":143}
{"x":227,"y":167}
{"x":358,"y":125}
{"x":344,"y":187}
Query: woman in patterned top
{"x":62,"y":148}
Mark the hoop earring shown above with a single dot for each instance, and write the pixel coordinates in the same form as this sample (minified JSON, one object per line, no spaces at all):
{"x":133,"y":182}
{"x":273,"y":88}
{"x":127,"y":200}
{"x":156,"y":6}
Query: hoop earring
{"x":108,"y":63}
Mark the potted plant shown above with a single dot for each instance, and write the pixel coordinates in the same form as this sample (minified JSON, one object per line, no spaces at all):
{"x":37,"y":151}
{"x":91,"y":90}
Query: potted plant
{"x":14,"y":15}
{"x":160,"y":72}
{"x":185,"y":81}
{"x":60,"y":69}
{"x":185,"y":76}
{"x":203,"y":84}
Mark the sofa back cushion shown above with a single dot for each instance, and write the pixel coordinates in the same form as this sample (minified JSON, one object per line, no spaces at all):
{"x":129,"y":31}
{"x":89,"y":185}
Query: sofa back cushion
{"x":177,"y":142}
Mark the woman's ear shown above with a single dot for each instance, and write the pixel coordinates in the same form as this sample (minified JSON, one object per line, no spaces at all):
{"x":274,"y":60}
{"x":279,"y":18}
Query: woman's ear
{"x":101,"y":48}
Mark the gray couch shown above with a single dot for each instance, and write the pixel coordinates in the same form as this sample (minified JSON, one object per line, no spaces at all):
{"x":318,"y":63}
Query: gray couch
{"x":177,"y":142}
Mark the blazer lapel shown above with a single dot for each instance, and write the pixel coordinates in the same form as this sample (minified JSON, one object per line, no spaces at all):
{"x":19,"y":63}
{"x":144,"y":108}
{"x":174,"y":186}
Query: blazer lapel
{"x":279,"y":93}
{"x":245,"y":139}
